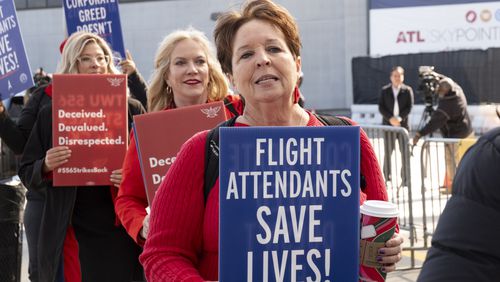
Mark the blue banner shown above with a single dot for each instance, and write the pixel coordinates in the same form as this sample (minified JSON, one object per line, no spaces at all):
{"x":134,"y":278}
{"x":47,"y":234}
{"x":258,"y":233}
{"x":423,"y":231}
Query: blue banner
{"x":15,"y":72}
{"x":289,"y":204}
{"x":100,"y":17}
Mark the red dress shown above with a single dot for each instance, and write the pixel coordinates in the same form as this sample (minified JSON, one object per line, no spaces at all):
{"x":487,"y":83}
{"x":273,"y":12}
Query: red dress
{"x":182,"y":242}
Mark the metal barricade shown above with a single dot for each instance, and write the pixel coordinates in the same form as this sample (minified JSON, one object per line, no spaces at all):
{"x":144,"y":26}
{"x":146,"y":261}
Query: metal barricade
{"x":391,"y":146}
{"x":419,"y":208}
{"x":439,"y":160}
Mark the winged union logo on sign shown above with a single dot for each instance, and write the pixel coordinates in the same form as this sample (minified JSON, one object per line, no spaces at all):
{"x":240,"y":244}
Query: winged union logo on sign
{"x":211,"y":112}
{"x":116,"y":81}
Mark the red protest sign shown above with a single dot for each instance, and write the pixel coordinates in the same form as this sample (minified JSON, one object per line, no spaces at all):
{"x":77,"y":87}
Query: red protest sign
{"x":160,"y":135}
{"x":89,"y":115}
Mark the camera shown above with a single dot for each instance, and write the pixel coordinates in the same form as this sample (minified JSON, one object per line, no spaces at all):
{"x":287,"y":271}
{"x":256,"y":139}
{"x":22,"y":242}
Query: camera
{"x":427,"y":86}
{"x":41,"y":78}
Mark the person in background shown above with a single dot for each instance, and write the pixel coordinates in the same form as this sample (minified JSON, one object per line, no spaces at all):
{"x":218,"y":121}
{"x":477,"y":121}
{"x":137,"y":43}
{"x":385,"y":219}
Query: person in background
{"x":186,"y":73}
{"x":259,"y":48}
{"x":465,"y":245}
{"x":40,"y":78}
{"x":106,"y":253}
{"x":395,"y":103}
{"x":16,"y":133}
{"x":452,"y":118}
{"x":136,"y":84}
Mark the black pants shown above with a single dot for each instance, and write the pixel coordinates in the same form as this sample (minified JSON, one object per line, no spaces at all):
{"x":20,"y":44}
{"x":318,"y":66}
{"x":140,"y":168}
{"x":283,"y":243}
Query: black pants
{"x":32,"y":220}
{"x":107,"y":252}
{"x":389,"y":148}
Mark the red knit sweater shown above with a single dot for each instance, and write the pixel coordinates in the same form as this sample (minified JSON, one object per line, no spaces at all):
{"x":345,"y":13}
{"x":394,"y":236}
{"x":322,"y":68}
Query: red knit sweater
{"x":131,"y":202}
{"x":182,"y":242}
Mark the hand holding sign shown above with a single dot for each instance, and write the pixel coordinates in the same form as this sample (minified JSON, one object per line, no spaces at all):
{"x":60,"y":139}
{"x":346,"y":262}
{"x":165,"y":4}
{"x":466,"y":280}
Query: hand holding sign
{"x":116,"y":177}
{"x":145,"y":227}
{"x":55,"y":157}
{"x":128,"y":66}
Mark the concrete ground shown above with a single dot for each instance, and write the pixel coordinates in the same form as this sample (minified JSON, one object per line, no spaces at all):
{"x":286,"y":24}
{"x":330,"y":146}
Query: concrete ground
{"x":396,"y":276}
{"x":403,"y":275}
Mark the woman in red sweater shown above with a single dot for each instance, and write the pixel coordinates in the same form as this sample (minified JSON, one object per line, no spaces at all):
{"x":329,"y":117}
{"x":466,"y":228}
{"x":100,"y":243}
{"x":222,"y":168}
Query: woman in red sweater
{"x":186,"y":73}
{"x":260,"y":50}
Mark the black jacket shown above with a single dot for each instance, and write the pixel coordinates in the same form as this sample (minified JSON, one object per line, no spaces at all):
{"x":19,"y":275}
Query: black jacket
{"x":451,"y":116}
{"x":138,"y":88}
{"x":466,"y":245}
{"x":134,"y":108}
{"x":15,"y":134}
{"x":386,"y":104}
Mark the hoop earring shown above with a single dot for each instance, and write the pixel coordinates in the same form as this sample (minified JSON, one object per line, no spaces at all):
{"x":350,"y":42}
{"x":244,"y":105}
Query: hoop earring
{"x":169,"y":89}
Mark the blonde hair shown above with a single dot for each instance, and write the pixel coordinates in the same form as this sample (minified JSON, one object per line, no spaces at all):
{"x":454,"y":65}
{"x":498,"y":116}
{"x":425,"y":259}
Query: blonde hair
{"x":159,"y":95}
{"x":74,"y":47}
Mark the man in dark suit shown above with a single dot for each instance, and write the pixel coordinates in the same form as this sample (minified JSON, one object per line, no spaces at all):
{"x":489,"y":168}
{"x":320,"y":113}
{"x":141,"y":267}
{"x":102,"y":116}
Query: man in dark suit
{"x":395,"y":103}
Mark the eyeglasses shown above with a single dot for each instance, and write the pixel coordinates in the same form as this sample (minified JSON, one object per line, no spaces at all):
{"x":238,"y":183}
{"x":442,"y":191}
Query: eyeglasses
{"x":101,"y":60}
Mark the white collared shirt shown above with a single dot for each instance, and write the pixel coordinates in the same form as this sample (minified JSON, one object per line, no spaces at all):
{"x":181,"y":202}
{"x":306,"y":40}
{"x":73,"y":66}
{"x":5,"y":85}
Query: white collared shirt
{"x":395,"y":92}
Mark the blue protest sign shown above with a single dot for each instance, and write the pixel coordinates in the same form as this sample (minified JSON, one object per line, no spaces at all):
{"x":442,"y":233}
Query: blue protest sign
{"x":15,"y":72}
{"x":289,"y":204}
{"x":100,"y":17}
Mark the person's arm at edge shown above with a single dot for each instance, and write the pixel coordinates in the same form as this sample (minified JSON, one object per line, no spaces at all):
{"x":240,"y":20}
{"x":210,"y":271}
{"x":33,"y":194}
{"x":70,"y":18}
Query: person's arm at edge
{"x":10,"y":134}
{"x":375,"y":190}
{"x":138,"y":87}
{"x":15,"y":135}
{"x":370,"y":169}
{"x":32,"y":161}
{"x":176,"y":223}
{"x":438,"y":119}
{"x":131,"y":202}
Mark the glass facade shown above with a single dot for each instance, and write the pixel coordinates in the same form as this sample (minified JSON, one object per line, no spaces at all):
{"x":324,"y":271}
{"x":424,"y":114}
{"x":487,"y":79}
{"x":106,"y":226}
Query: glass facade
{"x":37,"y":4}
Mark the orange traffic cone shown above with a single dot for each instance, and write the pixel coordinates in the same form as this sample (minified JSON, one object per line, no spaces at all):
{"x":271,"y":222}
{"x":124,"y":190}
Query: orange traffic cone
{"x":447,"y":181}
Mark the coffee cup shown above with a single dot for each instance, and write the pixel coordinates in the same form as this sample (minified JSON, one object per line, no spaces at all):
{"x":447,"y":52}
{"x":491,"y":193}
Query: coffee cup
{"x":378,"y":223}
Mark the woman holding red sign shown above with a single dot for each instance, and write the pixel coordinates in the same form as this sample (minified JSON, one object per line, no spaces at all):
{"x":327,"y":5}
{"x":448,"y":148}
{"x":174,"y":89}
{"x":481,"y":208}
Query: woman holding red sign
{"x":186,"y":73}
{"x":16,"y":134}
{"x":106,"y":253}
{"x":259,"y":48}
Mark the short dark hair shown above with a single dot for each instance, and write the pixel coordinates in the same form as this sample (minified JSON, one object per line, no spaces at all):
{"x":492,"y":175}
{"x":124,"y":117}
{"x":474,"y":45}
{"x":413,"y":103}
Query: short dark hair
{"x":229,"y":23}
{"x":400,"y":69}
